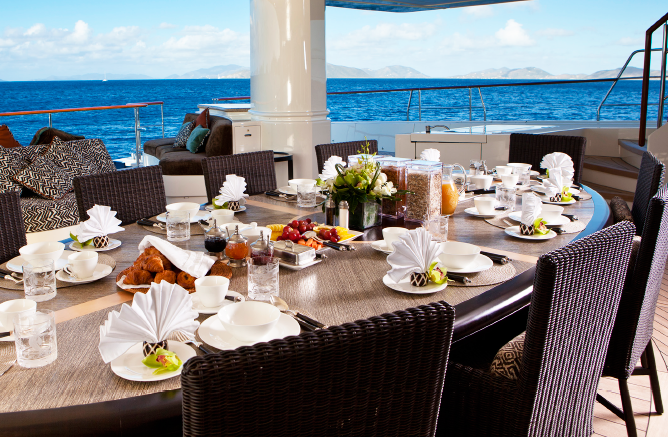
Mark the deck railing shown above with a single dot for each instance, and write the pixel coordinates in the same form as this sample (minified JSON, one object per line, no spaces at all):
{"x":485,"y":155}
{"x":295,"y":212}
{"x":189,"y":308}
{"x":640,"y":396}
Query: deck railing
{"x":663,"y":21}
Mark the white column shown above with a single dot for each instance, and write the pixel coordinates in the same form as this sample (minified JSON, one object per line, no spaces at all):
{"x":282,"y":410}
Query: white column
{"x":288,"y":80}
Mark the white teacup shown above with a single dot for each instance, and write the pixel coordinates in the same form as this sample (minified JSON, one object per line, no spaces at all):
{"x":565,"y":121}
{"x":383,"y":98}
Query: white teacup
{"x":483,"y":181}
{"x":12,"y":308}
{"x":509,"y":181}
{"x":222,"y":216}
{"x":503,"y":170}
{"x":392,"y":234}
{"x":551,"y":213}
{"x":249,"y":320}
{"x":212,"y":290}
{"x":485,"y":205}
{"x":81,"y":265}
{"x":525,"y":167}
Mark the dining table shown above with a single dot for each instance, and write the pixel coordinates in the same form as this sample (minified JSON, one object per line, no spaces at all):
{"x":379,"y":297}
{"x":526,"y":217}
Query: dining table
{"x":79,"y":392}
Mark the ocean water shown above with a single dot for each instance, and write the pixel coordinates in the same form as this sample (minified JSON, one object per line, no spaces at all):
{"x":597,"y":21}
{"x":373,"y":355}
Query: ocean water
{"x":116,"y":127}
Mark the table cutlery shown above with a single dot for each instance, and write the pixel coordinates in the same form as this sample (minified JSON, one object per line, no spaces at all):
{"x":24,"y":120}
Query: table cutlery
{"x":304,"y":321}
{"x":459,"y":278}
{"x":147,"y":222}
{"x":185,"y":338}
{"x":11,"y":278}
{"x":9,"y":367}
{"x":507,"y":222}
{"x":571,"y":217}
{"x":5,"y":334}
{"x":337,"y":246}
{"x":501,"y":259}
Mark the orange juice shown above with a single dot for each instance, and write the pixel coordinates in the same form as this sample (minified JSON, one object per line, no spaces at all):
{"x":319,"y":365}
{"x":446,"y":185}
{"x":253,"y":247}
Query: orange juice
{"x":449,"y":197}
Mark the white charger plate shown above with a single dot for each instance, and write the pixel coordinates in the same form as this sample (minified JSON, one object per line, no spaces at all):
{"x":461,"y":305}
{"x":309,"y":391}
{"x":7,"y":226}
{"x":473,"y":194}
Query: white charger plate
{"x":380,"y":246}
{"x":16,"y":264}
{"x":213,"y":333}
{"x":101,"y":271}
{"x":514,"y":231}
{"x":561,"y":220}
{"x":474,"y":211}
{"x":113,"y":244}
{"x":405,"y":286}
{"x":200,"y":308}
{"x":547,"y":200}
{"x":201,"y":215}
{"x":132,"y":359}
{"x":479,"y":264}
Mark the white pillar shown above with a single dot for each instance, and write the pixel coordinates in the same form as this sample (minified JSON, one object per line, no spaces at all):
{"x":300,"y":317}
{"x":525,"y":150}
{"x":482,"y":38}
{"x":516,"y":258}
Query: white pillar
{"x":288,"y":79}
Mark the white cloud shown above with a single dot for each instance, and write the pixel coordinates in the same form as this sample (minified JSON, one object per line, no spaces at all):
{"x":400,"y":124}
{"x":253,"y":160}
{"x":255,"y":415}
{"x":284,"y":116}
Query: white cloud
{"x":167,"y":26}
{"x":554,"y":33}
{"x":513,"y":35}
{"x":628,"y":41}
{"x":383,"y":36}
{"x":476,"y":12}
{"x":532,"y":5}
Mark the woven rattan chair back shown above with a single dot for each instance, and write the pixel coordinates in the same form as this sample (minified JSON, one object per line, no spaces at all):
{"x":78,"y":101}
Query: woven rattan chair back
{"x":530,"y":149}
{"x":257,"y":167}
{"x":344,"y":150}
{"x":650,"y":178}
{"x":575,"y":296}
{"x":381,"y":376}
{"x":134,"y":194}
{"x":12,"y":229}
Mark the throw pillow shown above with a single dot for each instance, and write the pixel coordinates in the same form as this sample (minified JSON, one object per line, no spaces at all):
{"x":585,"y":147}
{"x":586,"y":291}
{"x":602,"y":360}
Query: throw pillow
{"x":185,"y":131}
{"x":203,"y":119}
{"x":508,"y":359}
{"x":6,"y":138}
{"x":197,"y":139}
{"x":69,"y":159}
{"x":620,"y":210}
{"x":45,"y":178}
{"x":91,"y":150}
{"x":11,"y":162}
{"x":46,"y":134}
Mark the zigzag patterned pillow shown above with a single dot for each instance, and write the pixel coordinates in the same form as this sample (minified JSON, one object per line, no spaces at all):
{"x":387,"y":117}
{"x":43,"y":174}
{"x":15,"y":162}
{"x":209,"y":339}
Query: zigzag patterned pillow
{"x":184,"y":133}
{"x":508,"y":359}
{"x":71,"y":161}
{"x":91,"y":150}
{"x":11,"y":162}
{"x":45,"y":178}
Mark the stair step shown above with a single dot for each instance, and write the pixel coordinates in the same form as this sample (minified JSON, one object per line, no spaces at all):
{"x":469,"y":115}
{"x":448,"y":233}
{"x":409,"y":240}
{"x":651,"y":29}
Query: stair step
{"x":608,"y":193}
{"x":611,"y":165}
{"x":632,"y":146}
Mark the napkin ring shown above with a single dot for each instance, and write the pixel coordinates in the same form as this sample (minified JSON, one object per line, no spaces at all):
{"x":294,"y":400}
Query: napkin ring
{"x":556,"y":198}
{"x":151,"y":348}
{"x":233,"y":205}
{"x":419,"y":279}
{"x":526,"y":229}
{"x":101,"y":241}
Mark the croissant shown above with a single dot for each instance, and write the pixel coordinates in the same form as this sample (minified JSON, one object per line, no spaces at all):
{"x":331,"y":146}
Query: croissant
{"x":138,"y":277}
{"x":185,"y":280}
{"x":151,"y":251}
{"x":153,"y":263}
{"x":167,"y":275}
{"x":125,"y":272}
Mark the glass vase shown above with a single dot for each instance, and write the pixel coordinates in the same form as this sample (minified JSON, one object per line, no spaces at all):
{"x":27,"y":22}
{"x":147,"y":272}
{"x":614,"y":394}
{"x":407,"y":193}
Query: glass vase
{"x":366,"y":215}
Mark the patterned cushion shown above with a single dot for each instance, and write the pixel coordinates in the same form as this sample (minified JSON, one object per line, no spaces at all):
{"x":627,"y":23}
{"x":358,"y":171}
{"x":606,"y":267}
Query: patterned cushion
{"x":6,"y":137}
{"x":182,"y":137}
{"x":11,"y":162}
{"x":32,"y":152}
{"x":45,"y":178}
{"x":70,"y":160}
{"x":508,"y":359}
{"x":44,"y":214}
{"x":197,"y":139}
{"x":92,"y":151}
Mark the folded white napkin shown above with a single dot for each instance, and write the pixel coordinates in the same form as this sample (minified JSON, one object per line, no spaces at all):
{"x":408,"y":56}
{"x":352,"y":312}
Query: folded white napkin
{"x":559,"y":160}
{"x":196,"y":264}
{"x":152,"y":318}
{"x":329,"y":168}
{"x":414,"y":252}
{"x":233,"y":189}
{"x":102,"y":222}
{"x":430,"y":155}
{"x":531,"y":208}
{"x":555,"y":183}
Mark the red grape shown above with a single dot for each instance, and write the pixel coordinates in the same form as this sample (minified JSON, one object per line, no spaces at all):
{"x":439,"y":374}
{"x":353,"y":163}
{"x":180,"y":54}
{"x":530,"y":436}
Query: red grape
{"x":280,"y":238}
{"x":302,"y":229}
{"x":308,"y":220}
{"x":294,"y":235}
{"x":326,"y":235}
{"x":334,"y":239}
{"x":294,"y":224}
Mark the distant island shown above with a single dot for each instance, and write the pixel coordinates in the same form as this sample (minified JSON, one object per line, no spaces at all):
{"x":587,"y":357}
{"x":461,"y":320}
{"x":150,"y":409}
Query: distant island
{"x":537,"y":73}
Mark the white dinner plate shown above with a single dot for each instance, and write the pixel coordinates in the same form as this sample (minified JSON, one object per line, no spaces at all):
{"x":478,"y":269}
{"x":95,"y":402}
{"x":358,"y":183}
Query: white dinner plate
{"x":200,"y":308}
{"x":201,"y":215}
{"x":101,"y":271}
{"x":16,"y":264}
{"x":380,"y":246}
{"x":211,"y":208}
{"x":129,"y":365}
{"x":514,"y":231}
{"x":405,"y":286}
{"x":541,"y":189}
{"x":560,"y":221}
{"x":113,"y":244}
{"x":547,"y":200}
{"x":474,"y":211}
{"x":213,"y":333}
{"x":480,"y":264}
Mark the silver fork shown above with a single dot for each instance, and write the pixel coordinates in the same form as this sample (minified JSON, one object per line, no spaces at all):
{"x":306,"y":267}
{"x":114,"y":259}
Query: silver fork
{"x":185,"y":338}
{"x":12,"y":278}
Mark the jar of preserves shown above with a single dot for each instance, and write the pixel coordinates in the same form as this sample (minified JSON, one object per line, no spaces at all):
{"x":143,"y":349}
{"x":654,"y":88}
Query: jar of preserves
{"x":237,"y":249}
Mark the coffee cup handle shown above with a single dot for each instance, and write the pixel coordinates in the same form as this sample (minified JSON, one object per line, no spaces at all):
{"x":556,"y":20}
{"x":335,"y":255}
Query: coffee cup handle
{"x":69,"y":271}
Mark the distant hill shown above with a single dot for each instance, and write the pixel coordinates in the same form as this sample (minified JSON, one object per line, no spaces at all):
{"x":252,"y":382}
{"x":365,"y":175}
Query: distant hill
{"x":339,"y":71}
{"x":391,"y":72}
{"x":99,"y":76}
{"x":231,"y":71}
{"x":537,"y":73}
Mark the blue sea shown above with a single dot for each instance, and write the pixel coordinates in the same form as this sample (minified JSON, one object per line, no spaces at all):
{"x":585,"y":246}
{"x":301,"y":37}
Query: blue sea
{"x":116,"y":127}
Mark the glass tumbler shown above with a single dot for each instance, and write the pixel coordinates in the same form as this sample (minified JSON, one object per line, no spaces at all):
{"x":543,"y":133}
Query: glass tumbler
{"x":505,"y":197}
{"x":35,"y":335}
{"x":39,"y":280}
{"x":438,"y":228}
{"x":262,"y":278}
{"x":306,"y":196}
{"x":524,"y":175}
{"x":178,"y":226}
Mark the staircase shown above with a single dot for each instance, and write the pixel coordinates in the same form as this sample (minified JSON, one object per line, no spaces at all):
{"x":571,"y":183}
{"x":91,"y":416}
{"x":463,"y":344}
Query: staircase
{"x":614,"y":176}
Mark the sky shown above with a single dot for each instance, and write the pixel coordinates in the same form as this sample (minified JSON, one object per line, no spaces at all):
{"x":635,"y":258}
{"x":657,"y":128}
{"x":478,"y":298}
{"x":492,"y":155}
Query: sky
{"x":42,"y":38}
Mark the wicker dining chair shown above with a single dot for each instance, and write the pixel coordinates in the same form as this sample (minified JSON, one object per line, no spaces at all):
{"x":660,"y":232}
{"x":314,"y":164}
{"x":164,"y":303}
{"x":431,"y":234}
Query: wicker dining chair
{"x":324,"y":151}
{"x":382,"y":376}
{"x":12,"y":229}
{"x":650,"y":178}
{"x":257,"y":167}
{"x":576,"y":292}
{"x":632,"y":335}
{"x":134,"y":193}
{"x":531,"y":148}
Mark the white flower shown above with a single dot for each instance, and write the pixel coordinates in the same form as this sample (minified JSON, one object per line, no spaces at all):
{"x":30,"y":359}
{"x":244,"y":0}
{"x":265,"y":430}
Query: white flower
{"x":382,"y":177}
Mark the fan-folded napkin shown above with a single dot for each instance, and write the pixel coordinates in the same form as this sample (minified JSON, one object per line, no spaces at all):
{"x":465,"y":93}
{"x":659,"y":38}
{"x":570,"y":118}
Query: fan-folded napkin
{"x":152,"y":318}
{"x":555,"y":183}
{"x":559,"y":160}
{"x":430,"y":155}
{"x":329,"y":168}
{"x":531,"y":208}
{"x":233,"y":189}
{"x":196,"y":264}
{"x":102,"y":222}
{"x":414,"y":252}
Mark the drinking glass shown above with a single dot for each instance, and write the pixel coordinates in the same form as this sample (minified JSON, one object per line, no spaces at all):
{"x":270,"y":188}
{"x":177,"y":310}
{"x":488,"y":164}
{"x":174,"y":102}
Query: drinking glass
{"x":437,"y":227}
{"x":306,"y":196}
{"x":262,"y":278}
{"x":39,"y":280}
{"x":506,"y":197}
{"x":178,"y":226}
{"x":35,"y":335}
{"x":524,"y":175}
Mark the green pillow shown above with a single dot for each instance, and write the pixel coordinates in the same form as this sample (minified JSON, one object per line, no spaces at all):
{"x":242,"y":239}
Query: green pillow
{"x":197,"y":139}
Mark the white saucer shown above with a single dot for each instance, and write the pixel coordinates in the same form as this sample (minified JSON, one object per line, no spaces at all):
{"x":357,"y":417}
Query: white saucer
{"x":201,"y":215}
{"x":547,"y":200}
{"x":101,"y":271}
{"x":113,"y":244}
{"x":474,"y":211}
{"x":132,"y":359}
{"x":514,"y":231}
{"x":480,"y":264}
{"x":211,"y":208}
{"x":560,"y":221}
{"x":405,"y":286}
{"x":380,"y":246}
{"x":212,"y":332}
{"x":200,"y":308}
{"x":16,"y":264}
{"x":541,"y":189}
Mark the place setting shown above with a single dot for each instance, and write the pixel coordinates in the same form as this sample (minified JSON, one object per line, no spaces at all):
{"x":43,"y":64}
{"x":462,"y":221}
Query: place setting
{"x":232,"y":195}
{"x":465,"y":265}
{"x":532,"y":226}
{"x":93,"y":234}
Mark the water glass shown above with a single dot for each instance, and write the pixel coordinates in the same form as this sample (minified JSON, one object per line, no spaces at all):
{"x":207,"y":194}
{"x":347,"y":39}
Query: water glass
{"x":505,"y":197}
{"x":438,"y":228}
{"x":178,"y":226}
{"x":306,"y":196}
{"x":39,"y":280}
{"x":262,"y":278}
{"x":35,"y":335}
{"x":524,"y":175}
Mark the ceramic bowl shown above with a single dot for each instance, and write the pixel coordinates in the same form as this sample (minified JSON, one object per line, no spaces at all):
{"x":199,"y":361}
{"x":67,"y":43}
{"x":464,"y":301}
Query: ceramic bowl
{"x":189,"y":207}
{"x":44,"y":250}
{"x":12,"y":308}
{"x":551,"y":212}
{"x":249,"y":320}
{"x":294,"y":183}
{"x":458,"y":255}
{"x":222,"y":216}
